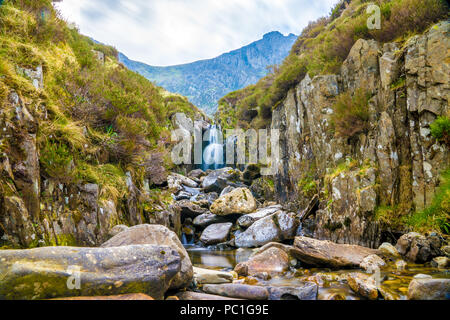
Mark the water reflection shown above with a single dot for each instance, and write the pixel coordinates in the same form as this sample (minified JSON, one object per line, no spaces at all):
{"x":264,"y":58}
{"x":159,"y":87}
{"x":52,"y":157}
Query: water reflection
{"x":202,"y":257}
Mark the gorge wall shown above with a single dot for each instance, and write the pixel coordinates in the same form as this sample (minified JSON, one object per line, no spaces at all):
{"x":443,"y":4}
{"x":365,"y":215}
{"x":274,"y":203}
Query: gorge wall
{"x":395,"y":163}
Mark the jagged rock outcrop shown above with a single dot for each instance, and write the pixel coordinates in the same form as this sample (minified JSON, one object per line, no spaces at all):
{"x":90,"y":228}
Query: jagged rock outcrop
{"x":395,"y":162}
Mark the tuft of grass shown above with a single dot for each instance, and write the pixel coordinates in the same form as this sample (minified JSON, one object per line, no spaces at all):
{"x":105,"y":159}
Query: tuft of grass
{"x":440,"y":130}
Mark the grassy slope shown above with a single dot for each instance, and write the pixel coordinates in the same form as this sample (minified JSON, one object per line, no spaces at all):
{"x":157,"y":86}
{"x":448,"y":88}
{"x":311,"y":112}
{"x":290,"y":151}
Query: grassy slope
{"x":96,"y":121}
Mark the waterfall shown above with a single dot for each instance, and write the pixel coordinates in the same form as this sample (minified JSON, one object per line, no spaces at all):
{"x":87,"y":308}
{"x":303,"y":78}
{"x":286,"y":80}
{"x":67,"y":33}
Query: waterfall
{"x":213,"y":153}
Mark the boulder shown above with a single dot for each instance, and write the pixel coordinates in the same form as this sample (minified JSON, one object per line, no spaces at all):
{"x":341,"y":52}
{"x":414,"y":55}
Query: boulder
{"x":363,"y":285}
{"x":190,"y":209}
{"x":326,"y":253}
{"x":52,"y":272}
{"x":419,"y":248}
{"x":206,"y":276}
{"x":177,"y":181}
{"x":217,"y":180}
{"x":207,"y":219}
{"x":247,"y":220}
{"x":441,"y":262}
{"x":216,"y":233}
{"x":429,"y":289}
{"x":263,"y":188}
{"x":272,"y":260}
{"x":389,"y":250}
{"x":238,"y":201}
{"x":156,"y":235}
{"x":276,"y":227}
{"x":446,"y":250}
{"x":226,"y":190}
{"x":372,"y":263}
{"x":241,"y":291}
{"x":197,"y":173}
{"x":304,"y":291}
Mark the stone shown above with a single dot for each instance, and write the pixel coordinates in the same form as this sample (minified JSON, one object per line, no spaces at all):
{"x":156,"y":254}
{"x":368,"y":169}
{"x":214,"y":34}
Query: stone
{"x":238,"y":201}
{"x":372,"y":263}
{"x":276,"y":227}
{"x":272,"y":260}
{"x":326,"y":253}
{"x":176,"y":181}
{"x":441,"y":262}
{"x":446,"y":250}
{"x":429,"y":289}
{"x":263,"y":189}
{"x":363,"y":285}
{"x":247,"y":220}
{"x":117,"y":229}
{"x":389,"y":250}
{"x":45,"y":273}
{"x":197,"y":173}
{"x":216,"y":233}
{"x":206,"y":276}
{"x":400,"y":265}
{"x":304,"y":291}
{"x":418,"y":248}
{"x":131,"y":296}
{"x":219,"y":179}
{"x":207,"y":219}
{"x":226,"y":190}
{"x":241,"y":291}
{"x":156,"y":235}
{"x":197,"y":296}
{"x":17,"y":221}
{"x":190,"y":209}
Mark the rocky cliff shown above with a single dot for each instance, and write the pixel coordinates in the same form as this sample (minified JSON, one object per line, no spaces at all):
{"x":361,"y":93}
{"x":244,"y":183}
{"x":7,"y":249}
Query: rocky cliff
{"x":393,"y":164}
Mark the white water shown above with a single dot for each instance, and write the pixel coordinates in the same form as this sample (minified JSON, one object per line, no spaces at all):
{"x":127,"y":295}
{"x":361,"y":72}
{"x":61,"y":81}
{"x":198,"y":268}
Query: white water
{"x":213,"y":153}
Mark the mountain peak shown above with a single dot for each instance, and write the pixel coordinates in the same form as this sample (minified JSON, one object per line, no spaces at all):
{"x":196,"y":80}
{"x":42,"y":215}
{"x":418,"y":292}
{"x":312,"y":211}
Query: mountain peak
{"x":273,"y":34}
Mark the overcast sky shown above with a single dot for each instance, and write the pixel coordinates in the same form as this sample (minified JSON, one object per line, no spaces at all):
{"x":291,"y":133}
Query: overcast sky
{"x":168,"y":32}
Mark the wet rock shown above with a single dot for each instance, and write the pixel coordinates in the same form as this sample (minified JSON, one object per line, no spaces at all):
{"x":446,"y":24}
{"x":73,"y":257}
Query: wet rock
{"x":206,"y":276}
{"x":240,"y":291}
{"x":418,"y":248}
{"x":216,"y":233}
{"x":176,"y":181}
{"x":372,"y":263}
{"x":446,"y":250}
{"x":131,"y":296}
{"x":219,"y":179}
{"x":45,"y":273}
{"x":276,"y":227}
{"x":197,"y":296}
{"x":272,"y":260}
{"x":190,"y":209}
{"x":388,"y":249}
{"x":400,"y":265}
{"x":207,"y":219}
{"x":226,"y":190}
{"x":183,"y":195}
{"x":248,"y":219}
{"x":363,"y":285}
{"x":326,"y":253}
{"x":429,"y":289}
{"x":197,"y":173}
{"x":156,"y":235}
{"x":304,"y":291}
{"x":238,"y":201}
{"x":441,"y":262}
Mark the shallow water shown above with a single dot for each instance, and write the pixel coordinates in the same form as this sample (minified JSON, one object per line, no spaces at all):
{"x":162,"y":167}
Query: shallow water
{"x":331,"y":282}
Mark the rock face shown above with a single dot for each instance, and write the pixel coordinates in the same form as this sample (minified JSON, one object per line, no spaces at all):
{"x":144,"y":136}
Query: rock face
{"x":50,"y":272}
{"x":396,"y":162}
{"x":326,"y":253}
{"x":216,"y":233}
{"x":156,"y":235}
{"x":276,"y":227}
{"x":238,"y":201}
{"x":429,"y":289}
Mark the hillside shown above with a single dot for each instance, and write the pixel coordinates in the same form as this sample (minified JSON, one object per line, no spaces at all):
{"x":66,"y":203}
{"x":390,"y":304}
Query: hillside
{"x":78,"y":129}
{"x":205,"y":82}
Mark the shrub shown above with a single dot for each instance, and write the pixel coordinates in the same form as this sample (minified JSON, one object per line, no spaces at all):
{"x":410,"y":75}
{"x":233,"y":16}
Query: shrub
{"x":351,"y":113}
{"x":440,"y":130}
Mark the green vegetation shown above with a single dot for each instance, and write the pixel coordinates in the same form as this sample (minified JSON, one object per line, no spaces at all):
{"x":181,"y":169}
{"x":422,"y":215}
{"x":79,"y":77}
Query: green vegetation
{"x":351,"y":113}
{"x":322,"y":47}
{"x":97,"y":119}
{"x":440,"y":130}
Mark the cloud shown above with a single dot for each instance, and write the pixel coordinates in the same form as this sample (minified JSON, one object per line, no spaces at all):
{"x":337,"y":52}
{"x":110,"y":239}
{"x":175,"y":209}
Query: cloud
{"x":168,"y":32}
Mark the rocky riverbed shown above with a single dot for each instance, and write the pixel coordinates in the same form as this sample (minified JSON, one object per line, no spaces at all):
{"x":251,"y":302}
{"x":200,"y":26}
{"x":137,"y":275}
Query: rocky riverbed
{"x":233,"y":246}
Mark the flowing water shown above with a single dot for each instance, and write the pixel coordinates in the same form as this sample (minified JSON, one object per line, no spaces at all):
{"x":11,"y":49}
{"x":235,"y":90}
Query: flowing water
{"x":213,"y":153}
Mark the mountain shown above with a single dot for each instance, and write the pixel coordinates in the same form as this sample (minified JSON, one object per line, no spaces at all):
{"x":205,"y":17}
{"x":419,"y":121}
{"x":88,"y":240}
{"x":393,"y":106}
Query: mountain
{"x":205,"y":82}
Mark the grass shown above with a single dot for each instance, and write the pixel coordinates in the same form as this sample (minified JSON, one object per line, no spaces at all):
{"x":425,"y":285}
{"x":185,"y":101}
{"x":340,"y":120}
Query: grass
{"x":440,"y":130}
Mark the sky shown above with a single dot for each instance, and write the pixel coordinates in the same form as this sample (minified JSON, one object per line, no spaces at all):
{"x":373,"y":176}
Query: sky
{"x":170,"y":32}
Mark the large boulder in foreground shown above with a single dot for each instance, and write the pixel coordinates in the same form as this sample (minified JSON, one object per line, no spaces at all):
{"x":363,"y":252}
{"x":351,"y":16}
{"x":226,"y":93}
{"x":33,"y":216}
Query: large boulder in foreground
{"x":238,"y":201}
{"x":156,"y":235}
{"x":329,"y":254}
{"x":274,"y":228}
{"x":52,"y":272}
{"x":427,"y":288}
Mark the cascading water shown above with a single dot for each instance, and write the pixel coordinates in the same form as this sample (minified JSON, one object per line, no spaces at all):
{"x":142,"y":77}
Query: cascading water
{"x":213,"y":153}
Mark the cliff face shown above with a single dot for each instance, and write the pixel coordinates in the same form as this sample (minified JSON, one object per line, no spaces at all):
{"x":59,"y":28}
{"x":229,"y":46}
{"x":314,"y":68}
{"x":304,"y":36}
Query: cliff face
{"x":394,"y":163}
{"x":205,"y":82}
